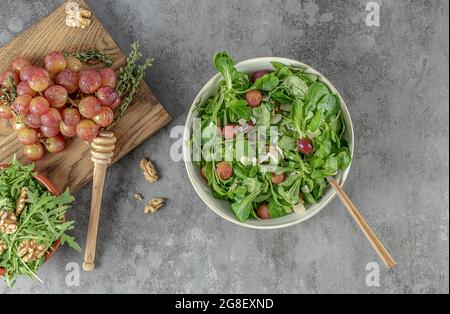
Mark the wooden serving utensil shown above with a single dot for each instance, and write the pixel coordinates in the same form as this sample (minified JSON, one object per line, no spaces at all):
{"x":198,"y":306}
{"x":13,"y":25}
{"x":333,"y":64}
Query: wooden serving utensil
{"x":102,"y":150}
{"x":363,"y":225}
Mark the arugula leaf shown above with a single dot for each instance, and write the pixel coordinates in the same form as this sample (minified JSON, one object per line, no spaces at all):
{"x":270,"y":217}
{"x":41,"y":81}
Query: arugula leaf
{"x":41,"y":220}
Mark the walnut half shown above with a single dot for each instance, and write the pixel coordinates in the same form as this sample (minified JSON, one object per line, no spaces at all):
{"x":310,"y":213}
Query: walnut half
{"x":154,"y":205}
{"x":148,"y":168}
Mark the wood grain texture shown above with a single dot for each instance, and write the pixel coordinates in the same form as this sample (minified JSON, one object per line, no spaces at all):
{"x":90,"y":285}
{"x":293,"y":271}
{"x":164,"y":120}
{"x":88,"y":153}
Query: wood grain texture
{"x":382,"y":252}
{"x":102,"y":149}
{"x":73,"y":168}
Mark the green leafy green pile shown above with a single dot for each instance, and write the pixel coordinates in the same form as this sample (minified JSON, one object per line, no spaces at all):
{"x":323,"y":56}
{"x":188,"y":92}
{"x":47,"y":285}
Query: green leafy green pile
{"x":300,"y":106}
{"x":42,"y":220}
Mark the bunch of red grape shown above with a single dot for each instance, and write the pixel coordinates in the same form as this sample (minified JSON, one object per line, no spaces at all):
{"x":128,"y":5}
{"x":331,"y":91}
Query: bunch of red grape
{"x":57,"y":102}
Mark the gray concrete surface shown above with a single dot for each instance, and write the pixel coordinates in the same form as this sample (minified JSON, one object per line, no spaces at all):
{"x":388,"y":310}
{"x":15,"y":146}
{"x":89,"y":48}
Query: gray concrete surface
{"x":395,"y":80}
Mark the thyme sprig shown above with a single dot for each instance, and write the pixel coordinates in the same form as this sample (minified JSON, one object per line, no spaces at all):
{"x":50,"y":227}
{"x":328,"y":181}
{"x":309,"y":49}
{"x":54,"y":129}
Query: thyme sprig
{"x":91,"y":55}
{"x":7,"y":96}
{"x":130,"y":78}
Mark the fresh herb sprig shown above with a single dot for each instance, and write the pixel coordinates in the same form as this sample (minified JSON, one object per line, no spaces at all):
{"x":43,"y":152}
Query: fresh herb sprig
{"x":92,"y":55}
{"x":9,"y":95}
{"x":42,"y":219}
{"x":130,"y":78}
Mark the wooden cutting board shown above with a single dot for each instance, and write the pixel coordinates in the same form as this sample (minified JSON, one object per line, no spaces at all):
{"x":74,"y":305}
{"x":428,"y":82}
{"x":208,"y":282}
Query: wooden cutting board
{"x":73,"y":167}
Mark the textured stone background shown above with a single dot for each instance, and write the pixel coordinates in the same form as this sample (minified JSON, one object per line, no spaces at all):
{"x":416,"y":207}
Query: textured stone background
{"x":395,"y":81}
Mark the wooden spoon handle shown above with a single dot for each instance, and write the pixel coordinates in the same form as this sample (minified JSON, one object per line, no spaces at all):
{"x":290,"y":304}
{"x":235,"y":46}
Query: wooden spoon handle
{"x":102,"y":153}
{"x":363,"y":225}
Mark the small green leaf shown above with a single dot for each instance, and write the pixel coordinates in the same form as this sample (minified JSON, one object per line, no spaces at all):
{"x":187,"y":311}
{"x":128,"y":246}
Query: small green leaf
{"x":315,"y":93}
{"x":267,"y":83}
{"x":329,"y":105}
{"x":296,"y":87}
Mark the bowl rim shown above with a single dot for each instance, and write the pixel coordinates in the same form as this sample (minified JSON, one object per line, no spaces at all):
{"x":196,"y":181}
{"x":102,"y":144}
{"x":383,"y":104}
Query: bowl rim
{"x":323,"y":202}
{"x":50,"y":186}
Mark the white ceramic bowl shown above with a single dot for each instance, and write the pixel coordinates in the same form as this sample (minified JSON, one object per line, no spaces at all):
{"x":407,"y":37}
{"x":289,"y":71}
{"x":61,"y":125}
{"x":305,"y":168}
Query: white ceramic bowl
{"x":223,"y":207}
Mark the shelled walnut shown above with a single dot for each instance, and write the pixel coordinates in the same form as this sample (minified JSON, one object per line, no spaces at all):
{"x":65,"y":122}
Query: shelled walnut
{"x":8,"y":222}
{"x":149,"y":170}
{"x":3,"y":246}
{"x":21,"y":201}
{"x":30,"y":251}
{"x":76,"y":16}
{"x":154,"y":205}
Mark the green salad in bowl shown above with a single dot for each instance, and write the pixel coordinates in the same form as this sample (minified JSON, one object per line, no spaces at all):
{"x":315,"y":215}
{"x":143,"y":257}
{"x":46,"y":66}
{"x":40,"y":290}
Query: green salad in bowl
{"x":265,"y":141}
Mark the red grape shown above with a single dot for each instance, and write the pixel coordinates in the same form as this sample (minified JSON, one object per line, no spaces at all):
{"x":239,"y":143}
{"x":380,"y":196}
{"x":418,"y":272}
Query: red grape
{"x":224,"y":170}
{"x":259,"y":74}
{"x":253,"y":98}
{"x":33,"y":121}
{"x":39,"y":80}
{"x":305,"y":146}
{"x":90,"y":81}
{"x":263,"y":212}
{"x":109,"y":78}
{"x":25,"y":74}
{"x":16,"y":124}
{"x":116,"y":103}
{"x":24,"y":89}
{"x":89,"y":107}
{"x":105,"y":117}
{"x":19,"y":64}
{"x":71,"y":116}
{"x":49,"y":131}
{"x":39,"y":106}
{"x":69,"y":80}
{"x":87,"y":130}
{"x":27,"y":136}
{"x":68,"y":130}
{"x":21,"y":104}
{"x":229,"y":131}
{"x":203,"y":173}
{"x":55,"y":144}
{"x":74,"y":64}
{"x":278,"y":178}
{"x":7,"y":76}
{"x":56,"y":96}
{"x":107,"y":96}
{"x":55,"y":62}
{"x":34,"y":152}
{"x":5,"y":112}
{"x":52,"y":118}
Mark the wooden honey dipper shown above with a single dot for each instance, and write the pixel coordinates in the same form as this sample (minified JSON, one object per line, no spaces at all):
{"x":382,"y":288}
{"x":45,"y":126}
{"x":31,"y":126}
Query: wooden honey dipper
{"x":102,"y":150}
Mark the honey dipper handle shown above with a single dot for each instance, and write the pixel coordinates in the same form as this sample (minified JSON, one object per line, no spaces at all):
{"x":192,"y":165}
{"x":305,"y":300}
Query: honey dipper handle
{"x":97,"y":192}
{"x":102,"y":153}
